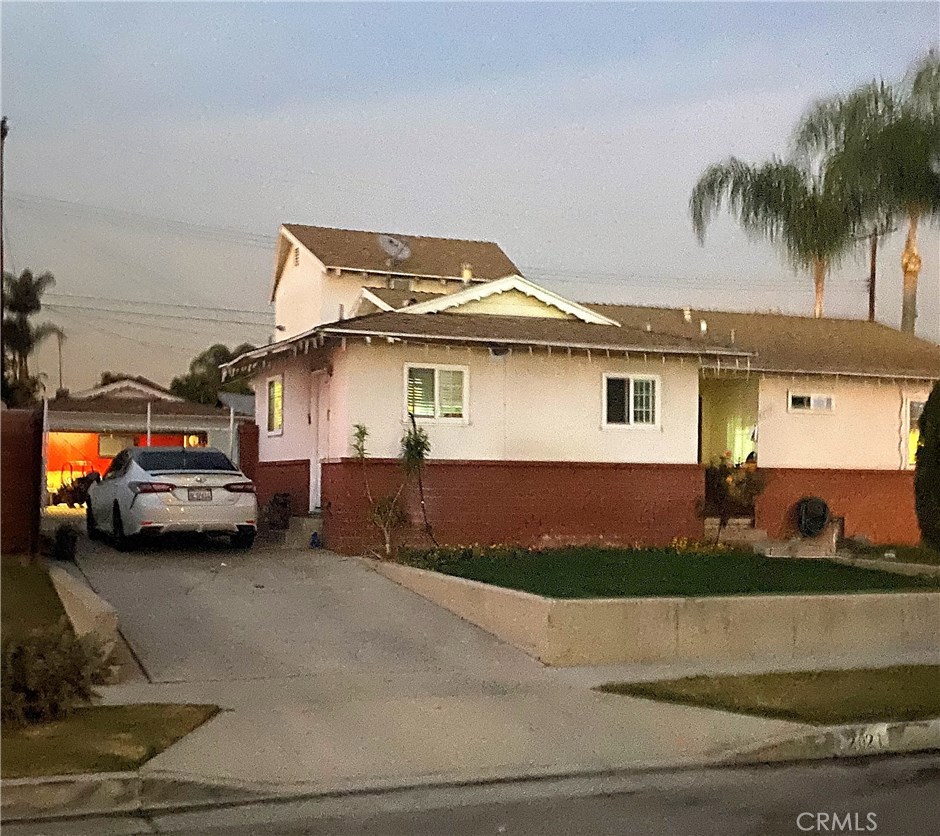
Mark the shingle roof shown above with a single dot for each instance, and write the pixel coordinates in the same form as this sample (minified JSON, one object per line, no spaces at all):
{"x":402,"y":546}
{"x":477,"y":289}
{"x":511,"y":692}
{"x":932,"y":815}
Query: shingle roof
{"x":526,"y":330}
{"x":134,"y":406}
{"x":355,"y":249}
{"x":401,"y":298}
{"x":785,"y":343}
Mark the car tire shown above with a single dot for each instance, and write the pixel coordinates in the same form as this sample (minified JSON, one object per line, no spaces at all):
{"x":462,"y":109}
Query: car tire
{"x":243,"y":540}
{"x":91,"y":524}
{"x":122,"y":542}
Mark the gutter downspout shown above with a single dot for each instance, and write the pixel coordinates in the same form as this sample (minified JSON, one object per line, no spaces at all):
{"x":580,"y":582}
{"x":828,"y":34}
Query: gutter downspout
{"x":148,"y":423}
{"x":43,"y":476}
{"x":231,"y":432}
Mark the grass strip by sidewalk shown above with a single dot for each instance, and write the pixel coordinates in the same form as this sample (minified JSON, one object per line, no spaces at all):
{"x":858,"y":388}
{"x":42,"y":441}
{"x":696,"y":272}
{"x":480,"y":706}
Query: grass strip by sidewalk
{"x":28,"y":600}
{"x":902,"y":554}
{"x":99,"y":738}
{"x":587,"y":572}
{"x":861,"y":695}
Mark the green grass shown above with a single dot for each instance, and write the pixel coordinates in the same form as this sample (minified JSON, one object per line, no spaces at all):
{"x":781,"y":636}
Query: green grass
{"x":29,"y":600}
{"x":614,"y":573}
{"x":905,"y":692}
{"x":902,"y":554}
{"x":101,"y":738}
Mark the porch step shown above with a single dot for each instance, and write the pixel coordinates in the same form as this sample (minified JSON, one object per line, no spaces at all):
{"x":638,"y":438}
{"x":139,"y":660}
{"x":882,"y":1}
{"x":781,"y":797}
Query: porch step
{"x":738,"y":531}
{"x":297,"y":536}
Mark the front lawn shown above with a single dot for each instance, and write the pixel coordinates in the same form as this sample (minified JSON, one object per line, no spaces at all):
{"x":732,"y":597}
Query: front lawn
{"x":586,"y":572}
{"x":905,"y":692}
{"x":28,"y":600}
{"x":100,"y":738}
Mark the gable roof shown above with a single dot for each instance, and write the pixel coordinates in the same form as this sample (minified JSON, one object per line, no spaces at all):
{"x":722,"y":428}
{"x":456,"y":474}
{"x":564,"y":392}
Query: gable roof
{"x":396,"y":299}
{"x":105,"y":405}
{"x":798,"y":344}
{"x":359,"y":250}
{"x":476,"y":293}
{"x":141,"y":387}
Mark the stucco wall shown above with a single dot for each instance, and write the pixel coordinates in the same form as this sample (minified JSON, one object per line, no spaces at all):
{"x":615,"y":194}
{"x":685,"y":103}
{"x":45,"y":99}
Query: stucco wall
{"x":867,"y":428}
{"x":298,"y":301}
{"x":521,"y":407}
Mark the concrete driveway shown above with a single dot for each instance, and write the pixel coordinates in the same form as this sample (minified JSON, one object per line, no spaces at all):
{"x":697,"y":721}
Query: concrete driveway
{"x":335,"y":678}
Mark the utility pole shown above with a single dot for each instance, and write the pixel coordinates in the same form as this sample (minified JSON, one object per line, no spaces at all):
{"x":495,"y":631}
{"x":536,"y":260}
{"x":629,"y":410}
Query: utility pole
{"x":4,"y":130}
{"x":872,"y":271}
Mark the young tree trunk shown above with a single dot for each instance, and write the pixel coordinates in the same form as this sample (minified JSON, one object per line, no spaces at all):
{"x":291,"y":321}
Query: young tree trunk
{"x":910,"y":264}
{"x":819,"y":280}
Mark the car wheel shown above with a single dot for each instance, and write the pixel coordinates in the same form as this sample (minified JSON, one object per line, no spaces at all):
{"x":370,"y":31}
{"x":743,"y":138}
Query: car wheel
{"x":122,"y":542}
{"x":91,"y":525}
{"x":243,"y":540}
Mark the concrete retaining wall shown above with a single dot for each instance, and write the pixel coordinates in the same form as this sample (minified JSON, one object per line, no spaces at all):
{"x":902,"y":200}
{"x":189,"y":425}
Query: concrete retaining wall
{"x":88,"y":612}
{"x":778,"y":628}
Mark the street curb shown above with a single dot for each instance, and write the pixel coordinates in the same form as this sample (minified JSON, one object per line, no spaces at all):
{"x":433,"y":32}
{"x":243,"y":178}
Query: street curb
{"x":111,"y":793}
{"x":849,"y":741}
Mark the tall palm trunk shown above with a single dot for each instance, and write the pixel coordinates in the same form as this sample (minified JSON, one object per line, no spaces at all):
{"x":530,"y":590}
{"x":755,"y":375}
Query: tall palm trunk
{"x":910,"y":264}
{"x":820,"y":268}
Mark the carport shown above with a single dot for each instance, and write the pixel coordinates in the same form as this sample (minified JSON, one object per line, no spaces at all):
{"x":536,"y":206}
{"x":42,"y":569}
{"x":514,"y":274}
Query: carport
{"x":86,"y":430}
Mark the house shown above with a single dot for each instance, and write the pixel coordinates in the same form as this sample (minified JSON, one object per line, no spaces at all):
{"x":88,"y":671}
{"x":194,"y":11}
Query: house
{"x":555,"y":421}
{"x":86,"y":429}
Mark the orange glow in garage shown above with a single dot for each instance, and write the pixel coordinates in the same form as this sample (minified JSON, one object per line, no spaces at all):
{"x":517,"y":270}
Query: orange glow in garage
{"x":73,"y":454}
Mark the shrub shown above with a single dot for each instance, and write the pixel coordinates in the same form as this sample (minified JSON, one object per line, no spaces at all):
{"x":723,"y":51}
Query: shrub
{"x":927,"y":475}
{"x":66,"y":542}
{"x":731,"y":490}
{"x":440,"y":558}
{"x":47,"y":673}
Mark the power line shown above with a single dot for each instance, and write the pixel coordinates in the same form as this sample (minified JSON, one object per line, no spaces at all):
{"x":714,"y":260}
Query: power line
{"x":153,"y":302}
{"x":149,"y":314}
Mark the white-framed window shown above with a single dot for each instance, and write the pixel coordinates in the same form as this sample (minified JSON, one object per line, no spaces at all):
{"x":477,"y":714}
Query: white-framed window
{"x":631,"y":400}
{"x":809,"y":402}
{"x":276,"y":405}
{"x":437,"y":393}
{"x":915,"y":408}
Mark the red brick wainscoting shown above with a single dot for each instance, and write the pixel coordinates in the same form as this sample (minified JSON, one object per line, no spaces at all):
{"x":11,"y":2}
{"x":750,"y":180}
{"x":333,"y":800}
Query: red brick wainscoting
{"x":526,"y":503}
{"x":877,"y":504}
{"x":291,"y":476}
{"x":21,"y":456}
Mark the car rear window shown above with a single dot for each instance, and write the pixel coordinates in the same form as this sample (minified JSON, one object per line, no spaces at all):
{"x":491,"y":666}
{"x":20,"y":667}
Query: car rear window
{"x":181,"y":460}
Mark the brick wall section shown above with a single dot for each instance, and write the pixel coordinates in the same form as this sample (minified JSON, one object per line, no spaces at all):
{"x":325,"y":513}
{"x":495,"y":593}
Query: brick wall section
{"x":21,"y":465}
{"x":527,"y":503}
{"x":877,"y":504}
{"x":292,"y":476}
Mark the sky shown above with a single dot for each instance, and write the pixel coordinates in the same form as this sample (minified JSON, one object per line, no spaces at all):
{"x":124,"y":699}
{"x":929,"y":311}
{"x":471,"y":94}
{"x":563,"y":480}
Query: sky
{"x":155,"y":148}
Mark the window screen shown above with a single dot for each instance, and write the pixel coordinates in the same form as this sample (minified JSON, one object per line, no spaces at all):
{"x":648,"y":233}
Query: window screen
{"x":421,"y":392}
{"x":617,"y":400}
{"x":451,"y":393}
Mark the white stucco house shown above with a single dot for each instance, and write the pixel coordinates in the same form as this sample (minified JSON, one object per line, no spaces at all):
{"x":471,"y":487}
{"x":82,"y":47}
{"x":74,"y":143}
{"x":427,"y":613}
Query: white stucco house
{"x":552,"y":420}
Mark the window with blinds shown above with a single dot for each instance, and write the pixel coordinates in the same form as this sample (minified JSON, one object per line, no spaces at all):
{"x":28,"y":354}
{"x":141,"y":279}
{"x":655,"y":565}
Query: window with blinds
{"x":436,"y":392}
{"x":630,"y":401}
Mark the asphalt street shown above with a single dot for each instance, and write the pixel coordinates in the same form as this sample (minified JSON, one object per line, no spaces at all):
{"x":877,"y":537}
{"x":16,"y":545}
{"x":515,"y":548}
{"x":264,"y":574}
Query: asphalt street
{"x":894,"y":796}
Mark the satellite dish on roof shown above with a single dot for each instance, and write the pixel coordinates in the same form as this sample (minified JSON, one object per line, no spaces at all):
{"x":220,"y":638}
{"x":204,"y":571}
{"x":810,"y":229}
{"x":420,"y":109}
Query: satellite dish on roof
{"x":394,"y":247}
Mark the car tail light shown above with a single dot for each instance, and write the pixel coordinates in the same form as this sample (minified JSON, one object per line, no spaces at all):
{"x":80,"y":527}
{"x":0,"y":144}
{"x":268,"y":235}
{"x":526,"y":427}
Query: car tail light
{"x":240,"y":487}
{"x":152,"y":487}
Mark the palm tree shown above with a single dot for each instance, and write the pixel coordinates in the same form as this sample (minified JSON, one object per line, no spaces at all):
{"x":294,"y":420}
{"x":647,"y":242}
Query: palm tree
{"x":784,"y":203}
{"x":882,"y":144}
{"x":22,"y":299}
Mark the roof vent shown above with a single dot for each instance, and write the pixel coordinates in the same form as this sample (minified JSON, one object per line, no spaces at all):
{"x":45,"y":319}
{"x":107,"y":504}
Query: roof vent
{"x":466,"y":271}
{"x":649,"y":327}
{"x":687,"y":314}
{"x":703,"y":326}
{"x":732,"y":336}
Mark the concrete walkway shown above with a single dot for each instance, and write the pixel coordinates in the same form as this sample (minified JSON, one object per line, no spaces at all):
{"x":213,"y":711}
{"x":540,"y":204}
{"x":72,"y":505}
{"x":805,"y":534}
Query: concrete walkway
{"x":334,"y":677}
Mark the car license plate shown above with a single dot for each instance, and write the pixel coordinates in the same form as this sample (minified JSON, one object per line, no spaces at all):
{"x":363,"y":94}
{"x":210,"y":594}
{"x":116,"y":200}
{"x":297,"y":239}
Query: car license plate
{"x":200,"y":494}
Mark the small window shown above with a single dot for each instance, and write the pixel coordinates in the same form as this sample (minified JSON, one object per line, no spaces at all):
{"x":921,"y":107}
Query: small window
{"x":914,"y":410}
{"x":630,"y":401}
{"x":276,"y":405}
{"x":436,"y":392}
{"x":110,"y":445}
{"x":800,"y":402}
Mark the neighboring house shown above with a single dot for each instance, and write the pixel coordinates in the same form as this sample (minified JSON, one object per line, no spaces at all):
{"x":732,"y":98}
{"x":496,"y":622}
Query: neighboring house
{"x":556,"y":421}
{"x":87,"y":429}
